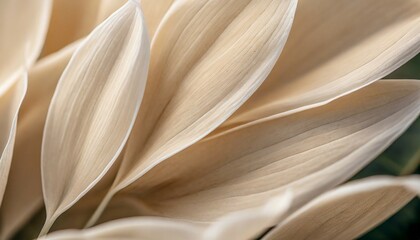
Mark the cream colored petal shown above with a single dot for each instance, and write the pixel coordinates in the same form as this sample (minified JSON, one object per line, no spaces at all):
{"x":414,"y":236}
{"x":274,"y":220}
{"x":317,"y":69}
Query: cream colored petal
{"x":207,"y":58}
{"x":231,"y":227}
{"x":350,"y":210}
{"x":23,"y":196}
{"x":72,"y":20}
{"x":154,"y":11}
{"x":93,"y":108}
{"x":309,"y":152}
{"x":336,"y":47}
{"x":9,"y":108}
{"x":23,"y":25}
{"x":198,"y":80}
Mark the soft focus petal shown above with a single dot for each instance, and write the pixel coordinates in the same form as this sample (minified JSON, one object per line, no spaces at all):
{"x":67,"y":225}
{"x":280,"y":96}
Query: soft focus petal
{"x":308,"y":152}
{"x":23,"y":196}
{"x":336,"y":47}
{"x":23,"y":25}
{"x":9,"y":108}
{"x":72,"y":20}
{"x":350,"y":210}
{"x":94,"y":108}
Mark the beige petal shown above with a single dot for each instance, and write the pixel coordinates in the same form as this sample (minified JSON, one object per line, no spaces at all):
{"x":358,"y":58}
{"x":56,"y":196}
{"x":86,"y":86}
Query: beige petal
{"x":350,"y":210}
{"x":154,"y":11}
{"x":9,"y":108}
{"x":208,"y":57}
{"x":231,"y":227}
{"x":309,"y":152}
{"x":336,"y":47}
{"x":23,"y":196}
{"x":23,"y":25}
{"x":72,"y":20}
{"x":93,"y":109}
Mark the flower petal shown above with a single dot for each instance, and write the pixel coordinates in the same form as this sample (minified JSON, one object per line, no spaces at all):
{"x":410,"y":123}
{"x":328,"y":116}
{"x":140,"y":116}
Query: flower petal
{"x":336,"y":47}
{"x":309,"y":152}
{"x":350,"y":210}
{"x":23,"y":196}
{"x":208,"y":57}
{"x":203,"y":78}
{"x":9,"y":107}
{"x":23,"y":25}
{"x":93,"y":109}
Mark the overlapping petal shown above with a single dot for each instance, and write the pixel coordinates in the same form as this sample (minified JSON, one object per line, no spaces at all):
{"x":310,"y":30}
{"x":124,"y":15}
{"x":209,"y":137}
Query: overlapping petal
{"x":334,"y":48}
{"x":23,"y":196}
{"x":350,"y":210}
{"x":208,"y":57}
{"x":94,"y":108}
{"x":308,"y":152}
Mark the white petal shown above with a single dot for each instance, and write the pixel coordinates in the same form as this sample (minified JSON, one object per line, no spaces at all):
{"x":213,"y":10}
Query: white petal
{"x":93,"y":109}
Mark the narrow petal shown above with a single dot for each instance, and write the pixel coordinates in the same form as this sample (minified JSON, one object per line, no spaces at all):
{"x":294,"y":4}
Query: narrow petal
{"x":75,"y":19}
{"x":94,"y":108}
{"x":350,"y":210}
{"x":23,"y":25}
{"x":231,"y":227}
{"x":23,"y":196}
{"x":154,"y":11}
{"x":336,"y":47}
{"x":308,"y":152}
{"x":9,"y":108}
{"x":202,"y":71}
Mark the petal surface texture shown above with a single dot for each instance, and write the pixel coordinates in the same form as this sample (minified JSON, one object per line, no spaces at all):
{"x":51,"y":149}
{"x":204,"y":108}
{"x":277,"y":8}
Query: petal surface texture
{"x":94,"y":108}
{"x":308,"y":152}
{"x":336,"y":47}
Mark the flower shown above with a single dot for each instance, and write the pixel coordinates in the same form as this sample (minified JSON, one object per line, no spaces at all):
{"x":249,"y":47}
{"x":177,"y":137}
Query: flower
{"x":204,"y":119}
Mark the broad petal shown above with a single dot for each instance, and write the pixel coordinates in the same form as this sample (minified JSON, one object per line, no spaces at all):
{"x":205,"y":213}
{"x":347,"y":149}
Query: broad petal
{"x":309,"y":152}
{"x":23,"y":196}
{"x":23,"y":25}
{"x":93,"y":109}
{"x":335,"y":47}
{"x":9,"y":107}
{"x":350,"y":210}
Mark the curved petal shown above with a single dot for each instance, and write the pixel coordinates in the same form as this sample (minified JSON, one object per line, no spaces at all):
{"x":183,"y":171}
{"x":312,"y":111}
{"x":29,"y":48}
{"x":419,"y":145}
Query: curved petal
{"x":23,"y":25}
{"x":208,"y":57}
{"x":229,"y":227}
{"x":335,"y":47}
{"x":9,"y":107}
{"x":93,"y":109}
{"x":308,"y":152}
{"x":23,"y":196}
{"x":350,"y":210}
